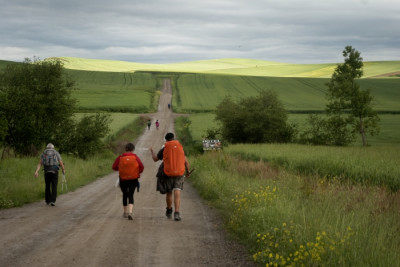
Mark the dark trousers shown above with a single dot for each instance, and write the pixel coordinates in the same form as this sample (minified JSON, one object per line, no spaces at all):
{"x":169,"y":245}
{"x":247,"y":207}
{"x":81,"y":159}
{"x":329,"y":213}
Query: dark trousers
{"x":51,"y":180}
{"x":128,"y":188}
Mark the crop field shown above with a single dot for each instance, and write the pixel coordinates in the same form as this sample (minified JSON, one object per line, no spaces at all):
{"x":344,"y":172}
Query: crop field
{"x":199,"y":92}
{"x":233,"y":66}
{"x":114,"y":91}
{"x":301,"y":87}
{"x":202,"y":92}
{"x":129,"y":87}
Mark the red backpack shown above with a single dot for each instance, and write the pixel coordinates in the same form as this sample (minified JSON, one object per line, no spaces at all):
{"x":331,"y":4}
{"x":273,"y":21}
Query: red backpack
{"x":174,"y":158}
{"x":128,"y":167}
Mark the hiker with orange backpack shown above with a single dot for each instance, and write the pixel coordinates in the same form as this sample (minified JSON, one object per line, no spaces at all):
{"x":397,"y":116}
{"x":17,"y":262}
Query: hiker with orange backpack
{"x":175,"y":165}
{"x":129,"y":166}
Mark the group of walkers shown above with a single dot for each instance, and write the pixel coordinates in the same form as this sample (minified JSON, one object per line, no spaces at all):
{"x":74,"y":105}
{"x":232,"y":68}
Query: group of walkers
{"x":157,"y":123}
{"x":173,"y":170}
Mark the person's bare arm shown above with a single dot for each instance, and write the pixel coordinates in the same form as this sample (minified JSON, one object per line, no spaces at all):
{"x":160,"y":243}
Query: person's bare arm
{"x":153,"y":155}
{"x":187,"y":167}
{"x":38,"y":168}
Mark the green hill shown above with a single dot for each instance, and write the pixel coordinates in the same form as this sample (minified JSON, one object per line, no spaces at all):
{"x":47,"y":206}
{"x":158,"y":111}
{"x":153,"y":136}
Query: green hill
{"x":231,"y":66}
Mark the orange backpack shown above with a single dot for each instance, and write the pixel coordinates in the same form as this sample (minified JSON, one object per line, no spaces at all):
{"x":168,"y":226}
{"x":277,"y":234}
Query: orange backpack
{"x":174,"y":158}
{"x":128,"y":167}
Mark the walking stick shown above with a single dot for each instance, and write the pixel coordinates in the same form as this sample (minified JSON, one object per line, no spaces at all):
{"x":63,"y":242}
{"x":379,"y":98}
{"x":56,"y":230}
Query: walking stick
{"x":64,"y":182}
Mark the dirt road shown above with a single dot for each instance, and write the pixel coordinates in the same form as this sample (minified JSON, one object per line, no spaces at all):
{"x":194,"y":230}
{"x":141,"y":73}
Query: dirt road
{"x":86,"y":227}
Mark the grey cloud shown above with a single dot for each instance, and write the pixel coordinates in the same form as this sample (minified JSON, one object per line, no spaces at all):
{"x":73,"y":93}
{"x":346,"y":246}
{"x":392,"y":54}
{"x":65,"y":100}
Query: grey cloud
{"x":157,"y":31}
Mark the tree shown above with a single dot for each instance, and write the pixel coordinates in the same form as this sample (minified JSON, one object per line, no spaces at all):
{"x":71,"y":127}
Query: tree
{"x":37,"y":108}
{"x":256,"y":119}
{"x":88,"y":134}
{"x":3,"y":120}
{"x":38,"y":99}
{"x":348,"y":104}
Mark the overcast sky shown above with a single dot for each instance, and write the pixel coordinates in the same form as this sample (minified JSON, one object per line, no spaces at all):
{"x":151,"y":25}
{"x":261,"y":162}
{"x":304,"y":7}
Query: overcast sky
{"x":168,"y":31}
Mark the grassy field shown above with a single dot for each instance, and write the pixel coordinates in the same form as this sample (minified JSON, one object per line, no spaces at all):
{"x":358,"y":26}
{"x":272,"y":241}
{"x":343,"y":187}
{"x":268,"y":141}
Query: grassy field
{"x":377,"y":166}
{"x":295,"y":220}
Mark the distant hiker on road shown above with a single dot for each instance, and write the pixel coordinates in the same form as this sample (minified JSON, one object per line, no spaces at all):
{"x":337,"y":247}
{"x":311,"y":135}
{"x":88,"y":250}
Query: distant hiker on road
{"x":129,"y":166}
{"x":51,"y":160}
{"x":148,"y":124}
{"x":157,"y":124}
{"x":175,"y":165}
{"x":169,"y":106}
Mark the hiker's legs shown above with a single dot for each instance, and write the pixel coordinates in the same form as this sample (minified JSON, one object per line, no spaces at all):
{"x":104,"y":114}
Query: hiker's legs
{"x":124,"y":189}
{"x":132,"y":184}
{"x":131,"y":190}
{"x":47,"y":182}
{"x":177,"y":199}
{"x":50,"y":191}
{"x":169,"y":199}
{"x":178,"y":187}
{"x":128,"y":189}
{"x":54,"y":183}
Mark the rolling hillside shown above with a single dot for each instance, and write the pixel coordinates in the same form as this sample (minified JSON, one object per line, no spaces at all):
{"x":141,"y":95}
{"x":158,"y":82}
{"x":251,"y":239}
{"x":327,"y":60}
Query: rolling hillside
{"x":200,"y":85}
{"x":231,"y":66}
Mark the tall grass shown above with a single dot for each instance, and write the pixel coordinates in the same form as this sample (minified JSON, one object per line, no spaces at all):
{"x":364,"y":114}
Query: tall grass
{"x":368,"y":166}
{"x":18,"y":185}
{"x":292,"y":220}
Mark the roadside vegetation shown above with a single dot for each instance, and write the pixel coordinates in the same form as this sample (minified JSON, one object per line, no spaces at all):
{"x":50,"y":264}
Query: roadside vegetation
{"x":288,"y":219}
{"x":377,"y":166}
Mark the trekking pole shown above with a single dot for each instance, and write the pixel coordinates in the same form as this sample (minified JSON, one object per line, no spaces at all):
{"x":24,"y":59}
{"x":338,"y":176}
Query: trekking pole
{"x":64,"y":181}
{"x":190,"y":172}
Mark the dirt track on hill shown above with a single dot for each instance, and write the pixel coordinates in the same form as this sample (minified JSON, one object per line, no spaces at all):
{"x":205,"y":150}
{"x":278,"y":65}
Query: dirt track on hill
{"x":86,"y":227}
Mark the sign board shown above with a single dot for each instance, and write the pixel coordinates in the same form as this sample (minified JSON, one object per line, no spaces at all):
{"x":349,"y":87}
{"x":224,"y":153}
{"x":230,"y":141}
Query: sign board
{"x":212,"y":144}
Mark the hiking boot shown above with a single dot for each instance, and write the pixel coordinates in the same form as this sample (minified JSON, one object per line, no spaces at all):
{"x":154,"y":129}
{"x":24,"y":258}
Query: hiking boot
{"x":130,"y":217}
{"x":176,"y":216}
{"x":52,"y":204}
{"x":168,"y":213}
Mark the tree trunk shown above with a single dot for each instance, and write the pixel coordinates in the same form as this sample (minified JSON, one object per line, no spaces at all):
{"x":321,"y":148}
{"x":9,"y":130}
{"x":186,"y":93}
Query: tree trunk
{"x":362,"y":132}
